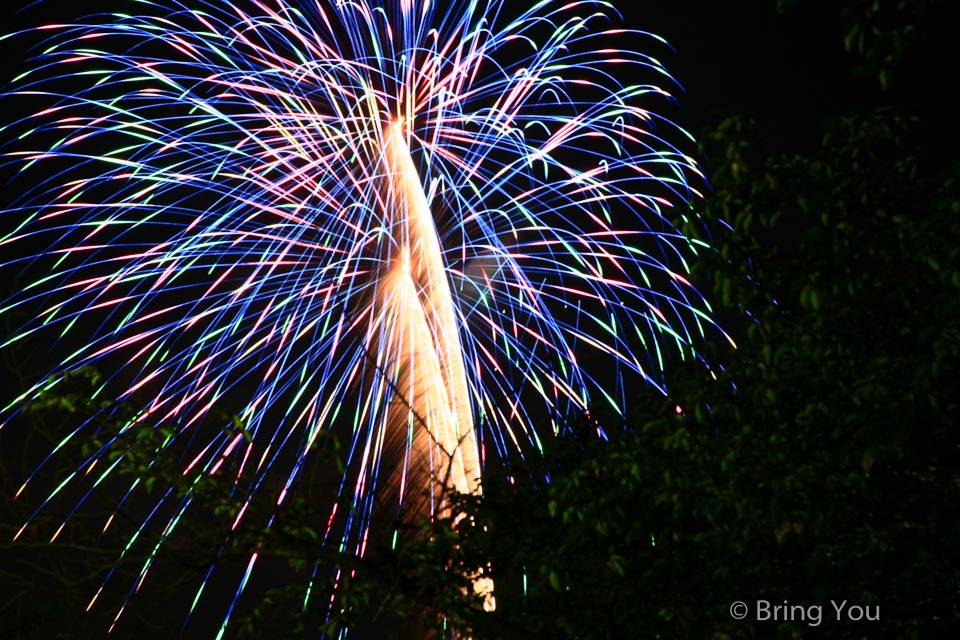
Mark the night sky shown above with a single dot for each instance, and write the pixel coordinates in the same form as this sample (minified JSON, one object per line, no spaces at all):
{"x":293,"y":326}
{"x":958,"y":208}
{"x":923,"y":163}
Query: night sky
{"x":731,"y":58}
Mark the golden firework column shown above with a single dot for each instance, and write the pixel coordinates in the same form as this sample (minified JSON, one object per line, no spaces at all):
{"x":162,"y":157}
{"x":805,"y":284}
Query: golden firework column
{"x":429,"y":417}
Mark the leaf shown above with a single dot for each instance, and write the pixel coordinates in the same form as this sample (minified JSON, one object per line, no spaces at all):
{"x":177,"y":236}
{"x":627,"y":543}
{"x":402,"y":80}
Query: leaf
{"x":868,"y":460}
{"x":884,"y":79}
{"x":616,"y":565}
{"x":554,"y":580}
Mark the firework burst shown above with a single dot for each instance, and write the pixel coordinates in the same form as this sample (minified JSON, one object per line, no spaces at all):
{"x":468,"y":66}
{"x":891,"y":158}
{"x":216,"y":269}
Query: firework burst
{"x":415,"y":223}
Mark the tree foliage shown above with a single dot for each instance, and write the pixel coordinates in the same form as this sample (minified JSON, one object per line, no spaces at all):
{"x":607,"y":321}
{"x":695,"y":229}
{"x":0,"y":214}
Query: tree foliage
{"x":822,"y":464}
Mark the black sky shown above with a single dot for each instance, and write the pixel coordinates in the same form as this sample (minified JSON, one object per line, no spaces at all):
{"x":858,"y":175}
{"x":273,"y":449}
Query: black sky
{"x":789,"y":72}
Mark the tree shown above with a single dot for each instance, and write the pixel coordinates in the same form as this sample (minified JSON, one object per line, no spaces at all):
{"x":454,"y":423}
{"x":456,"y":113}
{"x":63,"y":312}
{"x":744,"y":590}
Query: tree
{"x":822,"y":464}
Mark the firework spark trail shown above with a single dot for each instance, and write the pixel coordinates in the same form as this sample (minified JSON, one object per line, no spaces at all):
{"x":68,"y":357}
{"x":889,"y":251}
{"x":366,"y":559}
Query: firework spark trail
{"x":319,"y":201}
